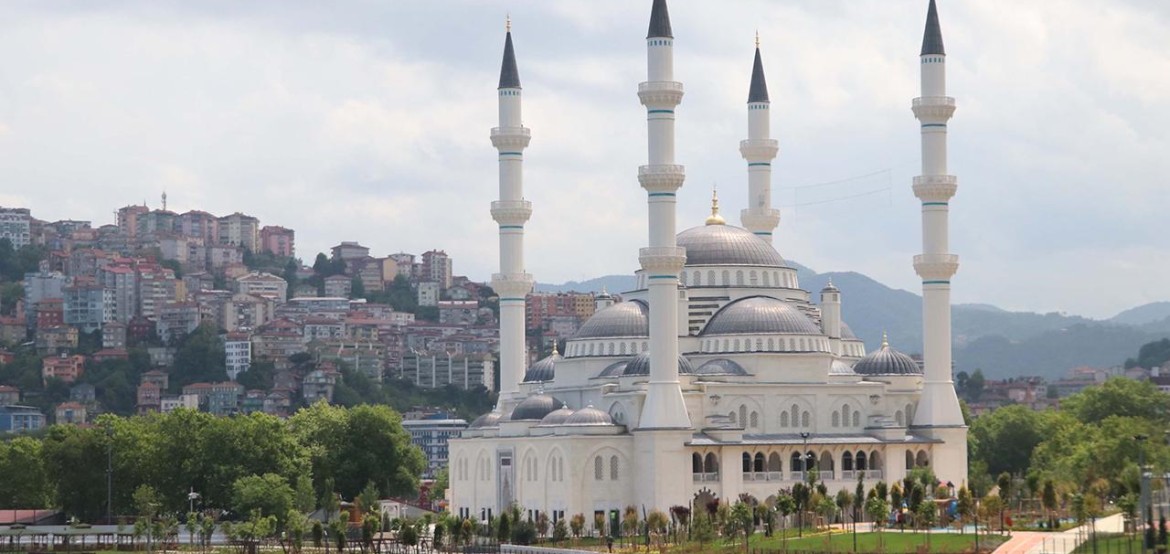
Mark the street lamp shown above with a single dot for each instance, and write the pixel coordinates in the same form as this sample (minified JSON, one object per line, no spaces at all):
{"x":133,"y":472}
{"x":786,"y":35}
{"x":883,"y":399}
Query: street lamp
{"x":191,"y":498}
{"x":1143,"y":498}
{"x":109,"y":472}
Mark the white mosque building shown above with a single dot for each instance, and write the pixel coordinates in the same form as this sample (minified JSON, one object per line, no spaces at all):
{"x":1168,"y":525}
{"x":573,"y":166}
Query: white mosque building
{"x":719,"y":375}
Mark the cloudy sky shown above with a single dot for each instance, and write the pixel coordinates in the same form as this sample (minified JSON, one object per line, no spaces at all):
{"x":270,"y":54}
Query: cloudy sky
{"x":369,"y":121}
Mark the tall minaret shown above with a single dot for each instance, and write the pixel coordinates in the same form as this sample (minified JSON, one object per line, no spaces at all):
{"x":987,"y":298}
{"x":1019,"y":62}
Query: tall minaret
{"x":759,"y":150}
{"x":938,"y":413}
{"x":663,"y":259}
{"x":512,"y":284}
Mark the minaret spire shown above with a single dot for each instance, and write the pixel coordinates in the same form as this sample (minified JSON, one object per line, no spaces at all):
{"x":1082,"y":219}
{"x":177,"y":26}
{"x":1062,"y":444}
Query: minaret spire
{"x":511,"y":212}
{"x":759,"y":150}
{"x":938,"y":415}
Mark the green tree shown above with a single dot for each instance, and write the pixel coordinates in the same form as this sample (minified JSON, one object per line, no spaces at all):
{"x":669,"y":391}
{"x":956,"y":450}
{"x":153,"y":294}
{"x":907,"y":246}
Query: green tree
{"x":503,"y":528}
{"x":577,"y":525}
{"x":1119,"y":396}
{"x":742,"y":514}
{"x":878,"y":510}
{"x":200,"y":358}
{"x":268,"y":495}
{"x":702,"y":529}
{"x":1048,"y":500}
{"x":560,"y":531}
{"x":26,"y":483}
{"x":785,"y":506}
{"x":1005,"y":438}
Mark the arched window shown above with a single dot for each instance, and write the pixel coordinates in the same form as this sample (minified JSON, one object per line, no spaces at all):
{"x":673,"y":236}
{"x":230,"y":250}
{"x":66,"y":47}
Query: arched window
{"x":922,"y":460}
{"x":847,"y":462}
{"x":759,"y":344}
{"x":598,"y":469}
{"x":645,"y":346}
{"x":682,"y":278}
{"x":737,"y":345}
{"x":845,"y":415}
{"x":726,"y":278}
{"x":826,"y":463}
{"x":611,"y":349}
{"x":622,"y":349}
{"x":696,"y":463}
{"x":726,"y":345}
{"x":766,"y":282}
{"x":861,"y":461}
{"x":875,"y":460}
{"x":784,"y":419}
{"x":795,"y":462}
{"x":909,"y":460}
{"x":731,"y":416}
{"x":804,"y":419}
{"x":613,"y":468}
{"x":758,"y":463}
{"x":836,"y":419}
{"x":560,"y":469}
{"x":774,"y":464}
{"x":698,"y":278}
{"x":795,"y":415}
{"x":899,"y":418}
{"x":755,"y":420}
{"x":747,"y":462}
{"x":743,"y":415}
{"x":771,"y":345}
{"x":739,"y":277}
{"x":857,"y":419}
{"x":802,"y":348}
{"x":590,"y":349}
{"x":752,"y":278}
{"x":711,"y":463}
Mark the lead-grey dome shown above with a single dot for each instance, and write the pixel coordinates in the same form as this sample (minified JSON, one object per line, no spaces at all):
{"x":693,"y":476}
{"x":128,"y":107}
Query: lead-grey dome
{"x":721,"y":366}
{"x":839,"y":367}
{"x":556,"y":417}
{"x":727,"y":245}
{"x":536,"y":407}
{"x":887,"y":361}
{"x":640,"y":365}
{"x":624,"y":319}
{"x":847,"y":333}
{"x":589,"y":416}
{"x":543,"y":369}
{"x":490,"y":419}
{"x":756,"y":315}
{"x":615,"y":369}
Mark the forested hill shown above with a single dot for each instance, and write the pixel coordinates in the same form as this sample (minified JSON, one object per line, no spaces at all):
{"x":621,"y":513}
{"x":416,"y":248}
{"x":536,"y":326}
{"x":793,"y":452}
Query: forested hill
{"x":1003,"y":343}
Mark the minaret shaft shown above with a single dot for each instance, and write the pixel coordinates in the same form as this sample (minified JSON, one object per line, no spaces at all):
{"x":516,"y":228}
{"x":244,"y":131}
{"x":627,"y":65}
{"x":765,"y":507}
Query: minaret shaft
{"x":511,"y":212}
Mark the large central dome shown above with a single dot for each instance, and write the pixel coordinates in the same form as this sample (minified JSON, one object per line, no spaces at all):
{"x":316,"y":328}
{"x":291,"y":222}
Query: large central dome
{"x":727,"y":245}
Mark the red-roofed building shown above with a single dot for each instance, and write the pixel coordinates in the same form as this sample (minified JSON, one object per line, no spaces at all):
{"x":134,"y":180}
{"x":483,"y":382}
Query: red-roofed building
{"x":72,"y":413}
{"x":110,"y":354}
{"x":63,"y":367}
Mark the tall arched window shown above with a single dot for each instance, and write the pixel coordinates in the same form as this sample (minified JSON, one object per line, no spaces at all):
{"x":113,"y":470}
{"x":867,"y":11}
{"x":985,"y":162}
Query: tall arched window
{"x":758,"y":464}
{"x":731,"y":416}
{"x":739,"y":277}
{"x":752,"y":278}
{"x":598,"y":469}
{"x":711,"y":277}
{"x":795,"y":462}
{"x":847,"y":462}
{"x":726,"y":277}
{"x":857,"y":419}
{"x":747,"y":462}
{"x":711,"y":463}
{"x":774,"y":464}
{"x":836,"y":419}
{"x":804,"y":419}
{"x":784,"y":419}
{"x":755,"y":420}
{"x":845,"y":415}
{"x":743,"y":415}
{"x":899,"y":418}
{"x":861,"y":461}
{"x":698,"y":278}
{"x":613,"y":468}
{"x":766,"y":282}
{"x":696,"y":463}
{"x":622,"y":349}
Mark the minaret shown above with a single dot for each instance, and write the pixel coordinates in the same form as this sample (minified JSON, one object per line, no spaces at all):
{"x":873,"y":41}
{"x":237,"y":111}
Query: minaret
{"x":759,"y":150}
{"x":831,"y":311}
{"x":663,"y":259}
{"x":511,"y":212}
{"x":938,"y":414}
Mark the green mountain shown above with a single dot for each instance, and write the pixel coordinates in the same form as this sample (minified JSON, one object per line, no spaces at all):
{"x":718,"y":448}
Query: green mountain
{"x":1002,"y":343}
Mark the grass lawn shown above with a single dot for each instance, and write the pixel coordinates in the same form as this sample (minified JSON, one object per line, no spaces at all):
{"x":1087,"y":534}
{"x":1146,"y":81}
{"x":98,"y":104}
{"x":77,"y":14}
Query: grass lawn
{"x":1112,"y":544}
{"x":893,"y":542}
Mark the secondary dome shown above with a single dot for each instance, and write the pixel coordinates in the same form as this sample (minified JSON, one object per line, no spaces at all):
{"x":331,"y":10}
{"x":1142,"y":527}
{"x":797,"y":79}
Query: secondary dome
{"x":556,"y":417}
{"x":847,"y":332}
{"x":640,"y":365}
{"x":536,"y":407}
{"x":624,"y":319}
{"x":886,"y":361}
{"x":840,"y":368}
{"x":615,"y":369}
{"x":721,"y":366}
{"x":543,"y":369}
{"x":727,"y":245}
{"x":589,"y":416}
{"x":490,"y":419}
{"x":756,"y":315}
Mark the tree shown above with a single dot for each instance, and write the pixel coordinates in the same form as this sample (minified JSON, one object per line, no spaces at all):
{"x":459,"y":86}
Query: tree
{"x":630,"y":521}
{"x":368,"y":498}
{"x":267,"y":495}
{"x":1119,"y":396}
{"x":560,"y":531}
{"x":504,"y":528}
{"x":966,"y":505}
{"x":878,"y":510}
{"x":657,"y":523}
{"x":577,"y":525}
{"x":1005,"y":438}
{"x":785,"y":505}
{"x":542,"y":523}
{"x":1048,"y":500}
{"x":25,"y":483}
{"x":844,"y":501}
{"x":741,"y":515}
{"x":200,"y":357}
{"x":702,"y":530}
{"x":295,"y":525}
{"x":1004,"y":482}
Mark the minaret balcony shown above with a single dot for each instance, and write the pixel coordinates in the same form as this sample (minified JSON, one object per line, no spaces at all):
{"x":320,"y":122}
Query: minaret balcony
{"x":661,"y":177}
{"x":511,"y":212}
{"x":933,"y":108}
{"x":759,"y":149}
{"x":512,"y":285}
{"x":662,"y":259}
{"x":760,"y":218}
{"x":935,"y":188}
{"x":511,"y":137}
{"x":936,"y":267}
{"x":660,"y":94}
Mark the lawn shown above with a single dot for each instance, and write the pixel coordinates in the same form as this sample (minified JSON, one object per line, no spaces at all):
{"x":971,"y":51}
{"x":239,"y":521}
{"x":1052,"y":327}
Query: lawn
{"x":893,"y":542}
{"x":1112,"y":544}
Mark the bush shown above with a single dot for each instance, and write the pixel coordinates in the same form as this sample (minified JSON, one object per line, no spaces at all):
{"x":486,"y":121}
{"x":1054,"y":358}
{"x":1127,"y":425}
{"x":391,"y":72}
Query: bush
{"x":524,"y":533}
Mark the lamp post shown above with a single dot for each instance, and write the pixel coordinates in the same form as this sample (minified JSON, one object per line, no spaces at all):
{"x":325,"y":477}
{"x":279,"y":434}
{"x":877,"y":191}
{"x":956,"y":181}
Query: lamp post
{"x":109,"y":472}
{"x":191,"y":498}
{"x":1143,"y":498}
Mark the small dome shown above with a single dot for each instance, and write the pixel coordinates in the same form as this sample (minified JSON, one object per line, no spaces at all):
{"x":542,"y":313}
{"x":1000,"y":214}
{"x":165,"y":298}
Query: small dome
{"x":543,"y":369}
{"x":615,"y":369}
{"x":589,"y":416}
{"x":887,"y":361}
{"x":556,"y":417}
{"x":760,"y":315}
{"x":727,"y":245}
{"x":721,"y":366}
{"x":840,"y":368}
{"x":624,"y":319}
{"x":536,"y":407}
{"x":640,"y":365}
{"x":490,"y":419}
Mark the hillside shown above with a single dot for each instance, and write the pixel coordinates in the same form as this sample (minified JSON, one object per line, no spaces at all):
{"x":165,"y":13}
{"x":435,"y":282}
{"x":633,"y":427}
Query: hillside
{"x":1003,"y":343}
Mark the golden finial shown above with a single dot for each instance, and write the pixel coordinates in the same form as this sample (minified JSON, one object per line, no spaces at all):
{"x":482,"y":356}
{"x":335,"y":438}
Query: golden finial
{"x":715,"y":218}
{"x":757,"y":38}
{"x":885,"y":340}
{"x":555,"y":353}
{"x":508,"y":23}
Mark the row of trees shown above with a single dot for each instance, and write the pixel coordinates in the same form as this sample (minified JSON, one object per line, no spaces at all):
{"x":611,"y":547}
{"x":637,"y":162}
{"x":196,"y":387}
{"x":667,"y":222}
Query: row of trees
{"x":321,"y":451}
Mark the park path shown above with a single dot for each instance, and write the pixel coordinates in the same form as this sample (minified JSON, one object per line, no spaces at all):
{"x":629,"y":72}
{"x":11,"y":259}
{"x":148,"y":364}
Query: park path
{"x":1024,"y":542}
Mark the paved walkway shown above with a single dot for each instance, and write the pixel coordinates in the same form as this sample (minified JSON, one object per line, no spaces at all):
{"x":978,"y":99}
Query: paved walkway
{"x":1025,"y":542}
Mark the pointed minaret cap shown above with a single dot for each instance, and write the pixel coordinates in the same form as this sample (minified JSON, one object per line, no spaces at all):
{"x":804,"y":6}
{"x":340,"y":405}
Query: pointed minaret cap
{"x":509,"y":74}
{"x":659,"y":21}
{"x":932,"y":43}
{"x":758,"y":92}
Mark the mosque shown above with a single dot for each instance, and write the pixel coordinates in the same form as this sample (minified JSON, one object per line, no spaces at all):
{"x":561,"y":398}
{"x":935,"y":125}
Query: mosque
{"x":719,"y":375}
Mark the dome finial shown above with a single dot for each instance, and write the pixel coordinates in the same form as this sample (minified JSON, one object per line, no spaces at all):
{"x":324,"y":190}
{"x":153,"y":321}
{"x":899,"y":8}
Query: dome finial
{"x":715,"y":218}
{"x":757,"y":38}
{"x":508,"y":23}
{"x":555,"y":353}
{"x":885,"y":340}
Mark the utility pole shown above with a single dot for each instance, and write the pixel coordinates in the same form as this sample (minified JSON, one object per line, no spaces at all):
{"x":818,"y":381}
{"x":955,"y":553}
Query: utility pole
{"x":109,"y":473}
